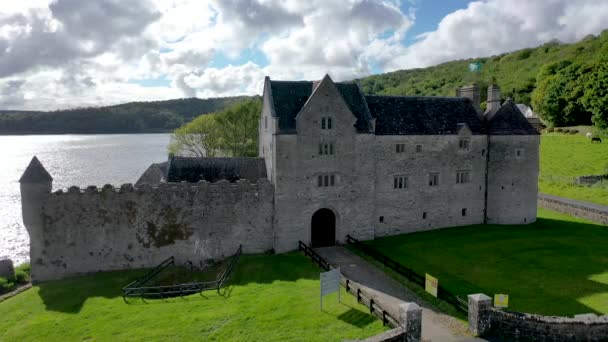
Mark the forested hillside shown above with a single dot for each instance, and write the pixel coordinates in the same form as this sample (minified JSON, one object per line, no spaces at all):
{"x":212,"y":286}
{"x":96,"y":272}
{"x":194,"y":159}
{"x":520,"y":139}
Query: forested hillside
{"x":134,"y":117}
{"x":566,"y":73}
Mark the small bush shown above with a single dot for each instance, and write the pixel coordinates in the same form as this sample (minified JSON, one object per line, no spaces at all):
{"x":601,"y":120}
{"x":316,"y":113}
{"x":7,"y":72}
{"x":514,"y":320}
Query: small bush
{"x":25,"y":268}
{"x":5,"y":285}
{"x":21,"y":277}
{"x":550,"y":129}
{"x":573,"y":131}
{"x":558,"y":130}
{"x":566,"y":131}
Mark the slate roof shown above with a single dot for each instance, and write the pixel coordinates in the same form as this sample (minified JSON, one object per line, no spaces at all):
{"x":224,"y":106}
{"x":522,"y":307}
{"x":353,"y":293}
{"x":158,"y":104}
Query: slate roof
{"x":422,"y":115}
{"x":290,"y":96}
{"x":192,"y":169}
{"x":397,"y":115}
{"x":35,"y":173}
{"x":509,"y":120}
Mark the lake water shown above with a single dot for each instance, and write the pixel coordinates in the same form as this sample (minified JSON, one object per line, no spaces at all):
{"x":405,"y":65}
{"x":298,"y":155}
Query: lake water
{"x":71,"y":160}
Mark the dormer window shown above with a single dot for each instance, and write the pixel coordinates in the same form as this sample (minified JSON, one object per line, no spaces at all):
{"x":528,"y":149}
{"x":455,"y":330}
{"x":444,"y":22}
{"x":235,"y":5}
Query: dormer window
{"x":326,"y":123}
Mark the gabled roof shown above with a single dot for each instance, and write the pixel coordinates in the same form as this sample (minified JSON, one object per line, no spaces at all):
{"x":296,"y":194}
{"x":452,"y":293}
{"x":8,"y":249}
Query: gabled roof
{"x":509,"y":120}
{"x":192,"y":169}
{"x":420,"y":115}
{"x":289,"y":97}
{"x":35,"y":173}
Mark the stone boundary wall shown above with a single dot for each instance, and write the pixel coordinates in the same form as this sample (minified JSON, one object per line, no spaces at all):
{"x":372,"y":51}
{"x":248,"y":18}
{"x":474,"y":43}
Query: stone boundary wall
{"x":485,"y":320}
{"x":523,"y":327}
{"x":589,"y":211}
{"x":92,"y":229}
{"x":591,"y":179}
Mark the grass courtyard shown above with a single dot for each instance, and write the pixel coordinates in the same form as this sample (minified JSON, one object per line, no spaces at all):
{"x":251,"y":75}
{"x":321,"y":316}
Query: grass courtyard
{"x":563,"y":157}
{"x":271,"y":298}
{"x":556,"y":266}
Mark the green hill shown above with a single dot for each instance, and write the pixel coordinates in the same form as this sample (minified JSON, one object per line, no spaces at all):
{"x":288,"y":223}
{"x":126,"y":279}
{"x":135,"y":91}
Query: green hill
{"x":515,"y":72}
{"x":133,"y":117}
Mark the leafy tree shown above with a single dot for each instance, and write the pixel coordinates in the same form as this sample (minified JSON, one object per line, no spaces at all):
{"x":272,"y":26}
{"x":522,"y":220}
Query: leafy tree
{"x":558,"y":93}
{"x":239,"y":129}
{"x":232,"y":132}
{"x":595,"y":98}
{"x":199,"y":138}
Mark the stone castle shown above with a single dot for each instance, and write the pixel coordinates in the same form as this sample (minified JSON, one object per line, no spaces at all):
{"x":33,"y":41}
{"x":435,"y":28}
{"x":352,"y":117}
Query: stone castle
{"x":332,"y":162}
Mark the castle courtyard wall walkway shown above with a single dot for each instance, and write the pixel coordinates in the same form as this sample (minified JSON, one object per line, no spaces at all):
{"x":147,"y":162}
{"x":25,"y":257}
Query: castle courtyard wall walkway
{"x":389,"y":293}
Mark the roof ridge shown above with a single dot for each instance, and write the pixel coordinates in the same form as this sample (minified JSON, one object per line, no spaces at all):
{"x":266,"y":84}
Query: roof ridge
{"x":421,"y":97}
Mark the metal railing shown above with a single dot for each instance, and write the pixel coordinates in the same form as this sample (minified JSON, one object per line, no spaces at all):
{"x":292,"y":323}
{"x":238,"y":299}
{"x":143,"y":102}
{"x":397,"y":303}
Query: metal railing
{"x":136,"y":288}
{"x":408,"y":273}
{"x":362,"y":297}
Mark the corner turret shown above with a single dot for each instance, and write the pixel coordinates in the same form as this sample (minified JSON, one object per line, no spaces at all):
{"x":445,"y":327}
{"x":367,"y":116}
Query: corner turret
{"x":36,"y":185}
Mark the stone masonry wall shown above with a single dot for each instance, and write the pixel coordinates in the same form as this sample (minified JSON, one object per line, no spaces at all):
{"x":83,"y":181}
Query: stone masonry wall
{"x":589,"y":211}
{"x":298,"y":165}
{"x":529,"y":327}
{"x":485,"y":320}
{"x":92,"y":230}
{"x":420,"y":206}
{"x":512,"y":178}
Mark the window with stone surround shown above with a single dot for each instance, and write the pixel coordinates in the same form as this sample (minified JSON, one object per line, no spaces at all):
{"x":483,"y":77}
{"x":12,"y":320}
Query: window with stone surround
{"x":418,"y":148}
{"x":433,"y":179}
{"x":326,"y":122}
{"x":464,"y":144}
{"x":326,"y":180}
{"x":463,"y":177}
{"x":326,"y":149}
{"x":400,"y":148}
{"x":265,"y":122}
{"x":400,"y":182}
{"x":519,"y":153}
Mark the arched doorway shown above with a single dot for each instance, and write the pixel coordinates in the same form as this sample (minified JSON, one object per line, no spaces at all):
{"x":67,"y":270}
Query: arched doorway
{"x":323,"y":228}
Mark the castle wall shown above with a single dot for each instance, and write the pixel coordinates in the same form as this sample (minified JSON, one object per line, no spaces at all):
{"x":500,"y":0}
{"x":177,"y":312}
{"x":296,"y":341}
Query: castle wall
{"x":513,"y":179}
{"x":420,"y":206}
{"x":93,"y":230}
{"x":266,"y":129}
{"x":298,"y":165}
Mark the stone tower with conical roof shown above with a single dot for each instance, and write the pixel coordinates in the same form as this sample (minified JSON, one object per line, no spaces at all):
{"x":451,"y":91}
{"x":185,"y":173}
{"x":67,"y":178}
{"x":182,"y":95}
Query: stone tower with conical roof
{"x":36,"y":185}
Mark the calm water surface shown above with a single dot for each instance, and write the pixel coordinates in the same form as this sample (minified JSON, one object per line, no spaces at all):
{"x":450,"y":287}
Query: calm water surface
{"x":71,"y":160}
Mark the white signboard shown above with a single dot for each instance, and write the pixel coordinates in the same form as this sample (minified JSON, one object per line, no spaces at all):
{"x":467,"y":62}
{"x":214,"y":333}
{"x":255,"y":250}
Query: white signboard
{"x":330,"y":283}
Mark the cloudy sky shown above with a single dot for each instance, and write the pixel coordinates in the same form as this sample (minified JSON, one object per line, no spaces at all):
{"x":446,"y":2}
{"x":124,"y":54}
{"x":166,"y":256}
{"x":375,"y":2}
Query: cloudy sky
{"x":66,"y":53}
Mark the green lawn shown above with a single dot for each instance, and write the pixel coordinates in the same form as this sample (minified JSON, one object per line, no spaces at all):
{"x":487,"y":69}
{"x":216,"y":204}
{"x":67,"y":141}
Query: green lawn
{"x":556,"y":266}
{"x":563,"y":157}
{"x":272,"y":298}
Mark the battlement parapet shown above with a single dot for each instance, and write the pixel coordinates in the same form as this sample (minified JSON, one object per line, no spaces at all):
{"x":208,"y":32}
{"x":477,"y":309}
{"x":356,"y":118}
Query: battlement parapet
{"x":224,"y":186}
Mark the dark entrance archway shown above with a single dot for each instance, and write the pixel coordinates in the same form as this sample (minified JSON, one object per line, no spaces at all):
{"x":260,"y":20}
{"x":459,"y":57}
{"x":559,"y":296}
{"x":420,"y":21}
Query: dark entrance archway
{"x":323,"y":228}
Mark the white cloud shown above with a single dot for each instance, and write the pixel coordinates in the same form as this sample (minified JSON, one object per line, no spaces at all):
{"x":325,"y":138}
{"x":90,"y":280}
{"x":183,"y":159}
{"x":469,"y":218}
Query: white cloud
{"x":65,"y":53}
{"x":491,"y":27}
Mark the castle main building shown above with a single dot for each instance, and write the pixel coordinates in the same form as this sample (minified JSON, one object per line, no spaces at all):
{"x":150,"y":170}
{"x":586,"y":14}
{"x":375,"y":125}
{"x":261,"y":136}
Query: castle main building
{"x":333,"y":162}
{"x":345,"y":163}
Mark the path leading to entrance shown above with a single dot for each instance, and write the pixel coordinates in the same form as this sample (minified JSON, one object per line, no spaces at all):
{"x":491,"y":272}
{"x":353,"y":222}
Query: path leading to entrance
{"x":389,"y":293}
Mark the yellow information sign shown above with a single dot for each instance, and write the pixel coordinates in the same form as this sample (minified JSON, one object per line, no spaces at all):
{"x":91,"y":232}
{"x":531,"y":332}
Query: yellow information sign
{"x":430,"y":285}
{"x":501,"y":300}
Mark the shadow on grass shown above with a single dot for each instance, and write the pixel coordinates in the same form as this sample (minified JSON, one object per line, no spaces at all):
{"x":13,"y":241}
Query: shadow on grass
{"x":546,"y":267}
{"x":69,"y":295}
{"x":357,"y":318}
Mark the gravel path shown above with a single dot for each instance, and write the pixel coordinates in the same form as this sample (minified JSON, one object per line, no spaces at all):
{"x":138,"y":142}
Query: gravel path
{"x":436,"y":326}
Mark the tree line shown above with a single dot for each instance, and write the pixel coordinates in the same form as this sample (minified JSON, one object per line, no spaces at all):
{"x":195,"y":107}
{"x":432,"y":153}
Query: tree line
{"x":566,"y":84}
{"x":134,"y":117}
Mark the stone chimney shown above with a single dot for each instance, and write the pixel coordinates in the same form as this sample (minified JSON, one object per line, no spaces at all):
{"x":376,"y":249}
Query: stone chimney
{"x":493,"y":102}
{"x":471,"y":92}
{"x":36,"y":185}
